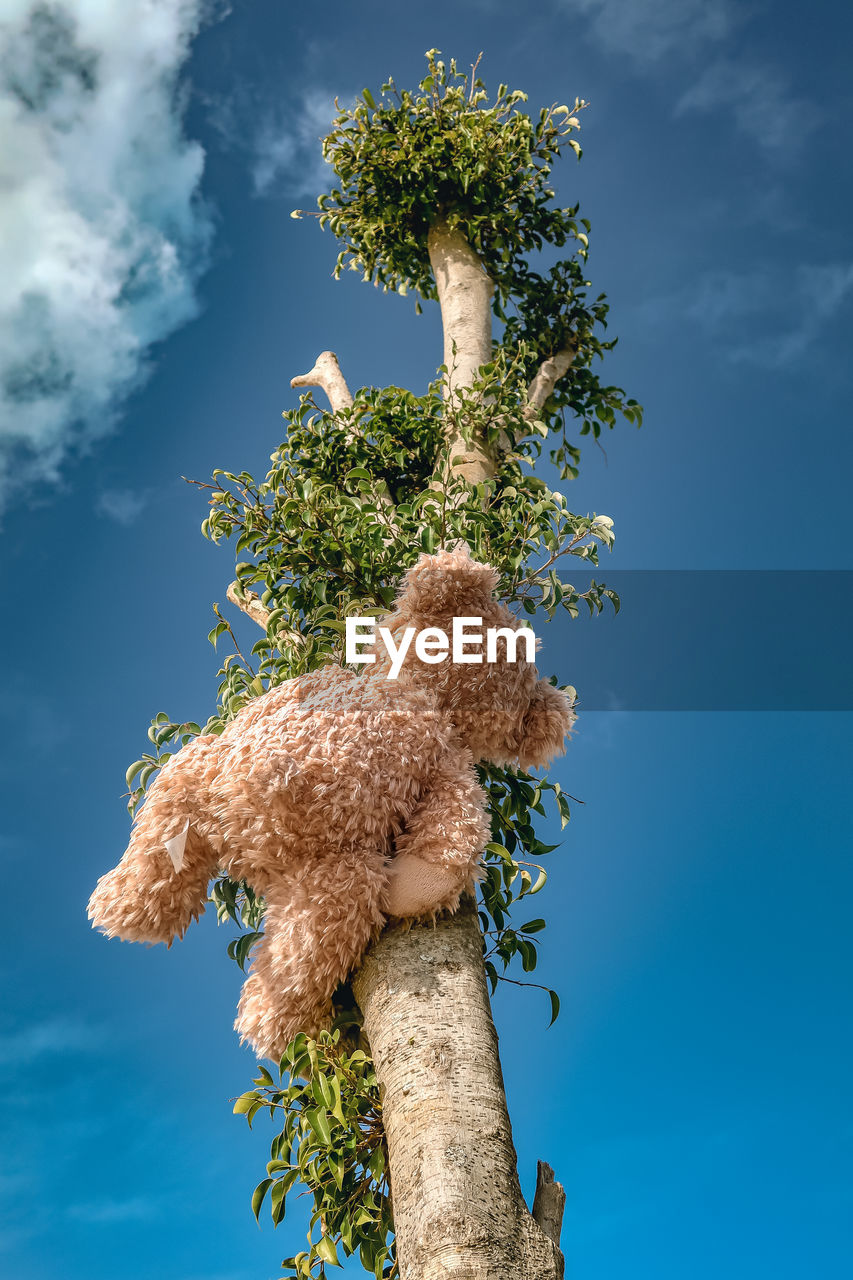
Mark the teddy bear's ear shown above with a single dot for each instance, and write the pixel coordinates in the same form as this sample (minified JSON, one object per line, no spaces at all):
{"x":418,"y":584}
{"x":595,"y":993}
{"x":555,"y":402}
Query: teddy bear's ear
{"x":448,"y":583}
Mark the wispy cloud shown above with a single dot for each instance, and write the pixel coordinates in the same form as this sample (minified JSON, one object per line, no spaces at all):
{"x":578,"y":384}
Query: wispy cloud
{"x":759,"y":98}
{"x":282,"y":142}
{"x":600,"y":729}
{"x":124,"y":506}
{"x":104,"y":1212}
{"x":649,"y":30}
{"x":769,"y":317}
{"x":706,"y":34}
{"x":51,"y":1036}
{"x":102,"y":231}
{"x":287,"y":148}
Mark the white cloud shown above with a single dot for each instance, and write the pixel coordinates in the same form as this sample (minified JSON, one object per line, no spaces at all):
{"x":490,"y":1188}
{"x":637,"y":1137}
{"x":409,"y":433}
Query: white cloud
{"x":121,"y":505}
{"x":288,"y":148}
{"x":759,"y":99}
{"x":600,"y":729}
{"x":102,"y":233}
{"x":648,"y":30}
{"x":768,"y":317}
{"x":283,"y":143}
{"x":53,"y":1036}
{"x":105,"y":1212}
{"x":756,"y":96}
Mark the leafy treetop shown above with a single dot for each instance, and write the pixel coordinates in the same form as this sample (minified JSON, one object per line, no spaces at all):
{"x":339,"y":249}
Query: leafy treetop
{"x":410,"y":159}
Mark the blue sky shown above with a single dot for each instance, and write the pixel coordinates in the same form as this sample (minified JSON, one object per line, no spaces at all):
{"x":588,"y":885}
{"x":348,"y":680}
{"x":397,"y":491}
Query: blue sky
{"x":694,"y":1095}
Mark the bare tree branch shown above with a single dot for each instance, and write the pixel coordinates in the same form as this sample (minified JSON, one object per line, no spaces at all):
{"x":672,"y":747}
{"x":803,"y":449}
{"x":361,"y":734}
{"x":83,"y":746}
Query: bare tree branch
{"x":249,"y":602}
{"x":549,"y":374}
{"x":548,"y":1203}
{"x":327,"y":375}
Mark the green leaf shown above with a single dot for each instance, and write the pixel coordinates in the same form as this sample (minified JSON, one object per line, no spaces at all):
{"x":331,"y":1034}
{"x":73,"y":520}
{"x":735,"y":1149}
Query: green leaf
{"x":278,"y":1201}
{"x":376,"y":1163}
{"x":319,"y":1122}
{"x":133,"y":771}
{"x":245,"y":1102}
{"x":336,"y":1164}
{"x":539,"y":882}
{"x":323,"y":1088}
{"x":259,"y":1195}
{"x":555,"y":1007}
{"x":325,"y":1249}
{"x":532,"y":926}
{"x":337,"y":1105}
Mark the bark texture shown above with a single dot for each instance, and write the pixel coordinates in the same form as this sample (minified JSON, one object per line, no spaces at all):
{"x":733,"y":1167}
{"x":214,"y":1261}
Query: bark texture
{"x":465,"y":296}
{"x":458,"y":1208}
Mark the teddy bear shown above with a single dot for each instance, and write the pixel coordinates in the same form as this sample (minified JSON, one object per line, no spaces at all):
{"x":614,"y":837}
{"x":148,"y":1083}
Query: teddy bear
{"x":344,"y":798}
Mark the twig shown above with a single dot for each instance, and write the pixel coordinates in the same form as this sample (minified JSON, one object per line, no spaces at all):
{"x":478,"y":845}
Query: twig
{"x":474,"y":67}
{"x":516,"y":982}
{"x":247,"y":664}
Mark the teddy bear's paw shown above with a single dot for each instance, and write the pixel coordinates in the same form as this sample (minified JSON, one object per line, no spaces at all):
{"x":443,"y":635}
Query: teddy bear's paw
{"x":417,"y":888}
{"x":268,"y":1027}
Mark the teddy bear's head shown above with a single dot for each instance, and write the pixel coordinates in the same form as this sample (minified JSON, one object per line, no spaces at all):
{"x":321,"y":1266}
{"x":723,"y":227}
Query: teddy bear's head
{"x":500,"y":708}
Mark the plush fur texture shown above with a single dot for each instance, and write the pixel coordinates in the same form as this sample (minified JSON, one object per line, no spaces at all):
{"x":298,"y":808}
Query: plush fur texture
{"x":344,"y":799}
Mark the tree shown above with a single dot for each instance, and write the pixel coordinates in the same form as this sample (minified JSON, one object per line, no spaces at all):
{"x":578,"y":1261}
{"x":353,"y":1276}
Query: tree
{"x":445,"y":196}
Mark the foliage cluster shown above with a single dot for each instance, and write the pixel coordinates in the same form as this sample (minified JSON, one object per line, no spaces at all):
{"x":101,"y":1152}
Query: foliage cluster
{"x":409,"y":159}
{"x":331,"y":1141}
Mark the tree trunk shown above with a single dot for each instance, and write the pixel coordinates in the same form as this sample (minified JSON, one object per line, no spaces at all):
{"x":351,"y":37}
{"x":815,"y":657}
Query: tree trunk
{"x":458,"y":1208}
{"x":465,"y":298}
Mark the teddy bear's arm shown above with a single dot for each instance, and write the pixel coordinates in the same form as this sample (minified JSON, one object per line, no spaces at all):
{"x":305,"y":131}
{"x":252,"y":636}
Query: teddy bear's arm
{"x":160,"y":884}
{"x":437,"y":853}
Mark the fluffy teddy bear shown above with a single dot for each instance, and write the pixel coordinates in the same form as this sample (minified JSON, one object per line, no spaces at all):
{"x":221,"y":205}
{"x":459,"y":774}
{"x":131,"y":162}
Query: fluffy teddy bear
{"x":343,"y":798}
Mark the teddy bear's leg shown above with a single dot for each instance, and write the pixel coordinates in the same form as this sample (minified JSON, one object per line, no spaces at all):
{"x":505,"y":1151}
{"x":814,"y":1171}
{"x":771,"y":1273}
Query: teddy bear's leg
{"x":315,"y":932}
{"x":437,"y":853}
{"x":160,"y":884}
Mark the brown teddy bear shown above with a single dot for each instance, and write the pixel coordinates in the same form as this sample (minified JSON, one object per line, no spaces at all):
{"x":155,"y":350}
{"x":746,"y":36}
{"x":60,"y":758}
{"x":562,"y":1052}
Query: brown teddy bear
{"x":343,"y":798}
